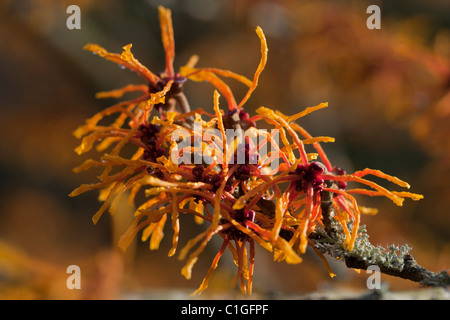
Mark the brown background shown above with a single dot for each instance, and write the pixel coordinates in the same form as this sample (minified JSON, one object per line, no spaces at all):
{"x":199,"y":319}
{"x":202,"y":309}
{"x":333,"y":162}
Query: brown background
{"x":389,"y":109}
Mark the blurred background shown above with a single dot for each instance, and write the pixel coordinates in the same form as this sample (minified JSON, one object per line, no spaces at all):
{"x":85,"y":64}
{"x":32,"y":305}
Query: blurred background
{"x":389,"y":108}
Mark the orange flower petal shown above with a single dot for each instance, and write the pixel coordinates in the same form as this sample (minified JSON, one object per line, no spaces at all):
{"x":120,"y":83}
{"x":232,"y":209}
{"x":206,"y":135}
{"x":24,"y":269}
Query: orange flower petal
{"x":125,"y":59}
{"x":165,"y":17}
{"x":260,"y":68}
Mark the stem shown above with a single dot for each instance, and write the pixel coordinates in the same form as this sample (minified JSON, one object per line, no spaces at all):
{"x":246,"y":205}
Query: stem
{"x":326,"y":206}
{"x":183,"y":103}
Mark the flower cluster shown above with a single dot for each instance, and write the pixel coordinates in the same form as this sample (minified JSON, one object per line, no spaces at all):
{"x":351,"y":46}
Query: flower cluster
{"x":244,"y":202}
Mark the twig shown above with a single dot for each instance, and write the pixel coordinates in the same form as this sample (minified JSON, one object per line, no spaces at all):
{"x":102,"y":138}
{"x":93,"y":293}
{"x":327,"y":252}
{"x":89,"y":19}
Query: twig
{"x":183,"y":104}
{"x":364,"y":254}
{"x":326,"y":206}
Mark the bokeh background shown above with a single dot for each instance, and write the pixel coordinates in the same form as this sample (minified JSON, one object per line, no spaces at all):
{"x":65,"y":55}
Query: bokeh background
{"x":389,"y":108}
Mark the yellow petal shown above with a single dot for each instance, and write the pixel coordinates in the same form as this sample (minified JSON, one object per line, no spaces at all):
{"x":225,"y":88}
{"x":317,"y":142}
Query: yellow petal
{"x":165,"y":18}
{"x":262,"y":64}
{"x":125,"y":59}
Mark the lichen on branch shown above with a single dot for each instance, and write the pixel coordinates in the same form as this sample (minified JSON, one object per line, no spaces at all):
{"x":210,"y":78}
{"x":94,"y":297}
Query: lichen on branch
{"x":393,"y":260}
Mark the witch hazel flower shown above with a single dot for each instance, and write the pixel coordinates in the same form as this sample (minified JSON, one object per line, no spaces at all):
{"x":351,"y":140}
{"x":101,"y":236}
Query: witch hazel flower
{"x":250,"y":187}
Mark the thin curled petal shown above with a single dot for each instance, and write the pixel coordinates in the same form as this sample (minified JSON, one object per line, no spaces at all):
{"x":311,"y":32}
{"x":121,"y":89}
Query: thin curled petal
{"x":272,"y":115}
{"x":373,"y":193}
{"x":213,"y":267}
{"x":175,"y":225}
{"x":260,"y":68}
{"x":118,"y":93}
{"x":125,"y":59}
{"x":129,"y":235}
{"x":395,"y":198}
{"x":219,"y":84}
{"x":165,"y":17}
{"x":383,"y":175}
{"x":192,"y":73}
{"x":193,"y":257}
{"x":305,"y":112}
{"x":159,"y":97}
